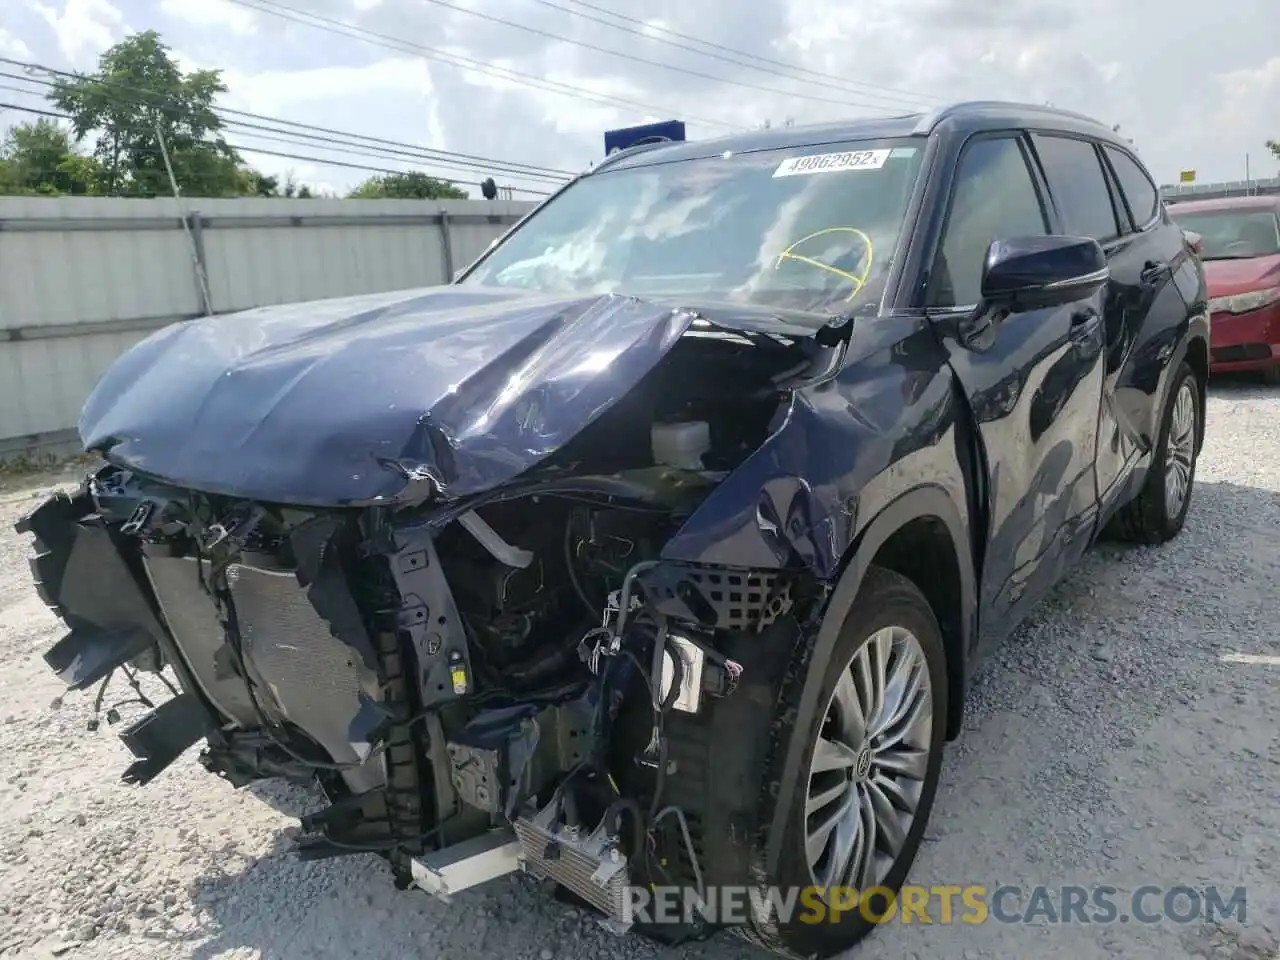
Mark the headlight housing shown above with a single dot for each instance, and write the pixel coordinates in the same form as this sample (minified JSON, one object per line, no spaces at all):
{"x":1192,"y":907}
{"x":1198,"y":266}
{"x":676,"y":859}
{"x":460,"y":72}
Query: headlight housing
{"x":1244,"y":302}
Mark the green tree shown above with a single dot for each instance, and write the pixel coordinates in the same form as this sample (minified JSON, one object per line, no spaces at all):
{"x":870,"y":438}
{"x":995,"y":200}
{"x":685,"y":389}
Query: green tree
{"x":40,"y":158}
{"x":407,"y":186}
{"x":136,"y":91}
{"x":1274,"y":147}
{"x":257,"y":184}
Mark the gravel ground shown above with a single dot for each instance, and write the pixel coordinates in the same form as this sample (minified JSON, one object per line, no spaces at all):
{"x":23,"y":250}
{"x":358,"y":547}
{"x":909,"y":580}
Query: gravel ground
{"x":1114,"y":740}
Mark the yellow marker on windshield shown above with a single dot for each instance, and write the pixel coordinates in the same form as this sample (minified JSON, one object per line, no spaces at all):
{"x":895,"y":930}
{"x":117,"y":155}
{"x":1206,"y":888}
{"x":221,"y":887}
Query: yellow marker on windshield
{"x":858,"y":281}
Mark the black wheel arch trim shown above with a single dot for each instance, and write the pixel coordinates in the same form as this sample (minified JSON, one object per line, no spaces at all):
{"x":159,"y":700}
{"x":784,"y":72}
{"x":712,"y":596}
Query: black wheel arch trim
{"x":1197,"y":332}
{"x":924,"y":501}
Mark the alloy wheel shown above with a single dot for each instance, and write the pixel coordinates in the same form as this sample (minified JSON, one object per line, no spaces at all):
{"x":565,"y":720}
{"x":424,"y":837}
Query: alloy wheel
{"x":1180,"y":450}
{"x":869,"y":764}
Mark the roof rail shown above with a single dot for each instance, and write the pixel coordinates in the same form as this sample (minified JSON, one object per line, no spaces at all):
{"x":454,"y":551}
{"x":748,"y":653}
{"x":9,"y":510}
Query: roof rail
{"x":632,"y":150}
{"x":931,"y":120}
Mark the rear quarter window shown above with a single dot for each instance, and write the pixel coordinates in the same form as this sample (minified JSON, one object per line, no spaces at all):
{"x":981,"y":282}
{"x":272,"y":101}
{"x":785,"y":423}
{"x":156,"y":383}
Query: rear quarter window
{"x":1139,"y":191}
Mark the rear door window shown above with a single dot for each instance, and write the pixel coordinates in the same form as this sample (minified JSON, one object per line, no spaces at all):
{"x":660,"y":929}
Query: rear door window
{"x":1078,"y":186}
{"x":1140,"y":193}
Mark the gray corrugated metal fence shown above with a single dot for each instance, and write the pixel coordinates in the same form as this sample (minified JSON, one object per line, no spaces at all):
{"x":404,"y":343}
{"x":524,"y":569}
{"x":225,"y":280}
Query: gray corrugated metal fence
{"x":83,"y":279}
{"x":1176,"y":192}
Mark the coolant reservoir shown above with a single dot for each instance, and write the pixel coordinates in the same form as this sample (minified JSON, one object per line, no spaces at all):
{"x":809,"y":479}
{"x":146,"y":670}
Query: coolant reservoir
{"x":681,"y":444}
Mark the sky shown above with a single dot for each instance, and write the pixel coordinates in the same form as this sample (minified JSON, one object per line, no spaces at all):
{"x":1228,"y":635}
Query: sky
{"x":536,"y":82}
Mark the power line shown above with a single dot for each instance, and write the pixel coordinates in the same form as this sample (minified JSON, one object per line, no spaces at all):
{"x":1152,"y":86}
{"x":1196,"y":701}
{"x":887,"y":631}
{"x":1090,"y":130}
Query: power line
{"x":632,"y":57}
{"x":289,"y":156}
{"x":44,"y":113}
{"x":363,"y":166}
{"x":344,"y":140}
{"x":368,"y":152}
{"x":5,"y":86}
{"x":649,"y":30}
{"x":738,"y":58}
{"x":467,"y":64}
{"x":421,"y":153}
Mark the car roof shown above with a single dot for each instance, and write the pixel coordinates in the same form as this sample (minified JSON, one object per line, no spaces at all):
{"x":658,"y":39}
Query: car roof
{"x":774,"y":139}
{"x":976,"y":114}
{"x":1222,"y":203}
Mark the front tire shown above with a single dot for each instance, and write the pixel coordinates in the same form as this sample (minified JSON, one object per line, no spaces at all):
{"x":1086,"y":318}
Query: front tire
{"x":1157,"y":514}
{"x":872,"y":765}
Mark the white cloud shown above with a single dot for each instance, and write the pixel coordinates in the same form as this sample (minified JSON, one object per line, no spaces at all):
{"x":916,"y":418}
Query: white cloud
{"x":306,"y":96}
{"x":1251,"y":96}
{"x":13,"y":46}
{"x":273,"y":91}
{"x":84,"y":28}
{"x":1248,"y":92}
{"x":1195,"y":92}
{"x":213,"y":14}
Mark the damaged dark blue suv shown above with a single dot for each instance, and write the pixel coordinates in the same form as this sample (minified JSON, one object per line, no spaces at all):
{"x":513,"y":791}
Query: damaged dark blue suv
{"x":657,"y":549}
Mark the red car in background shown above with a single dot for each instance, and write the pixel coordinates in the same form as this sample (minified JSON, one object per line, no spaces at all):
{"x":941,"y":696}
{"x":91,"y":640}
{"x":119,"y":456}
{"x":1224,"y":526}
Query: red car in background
{"x":1240,"y":246}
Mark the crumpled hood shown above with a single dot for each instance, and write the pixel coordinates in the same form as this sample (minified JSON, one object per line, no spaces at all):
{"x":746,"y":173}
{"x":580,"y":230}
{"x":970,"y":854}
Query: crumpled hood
{"x":330,"y":402}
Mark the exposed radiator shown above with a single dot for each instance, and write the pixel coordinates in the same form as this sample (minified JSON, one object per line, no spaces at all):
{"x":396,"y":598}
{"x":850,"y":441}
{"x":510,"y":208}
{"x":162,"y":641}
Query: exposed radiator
{"x":193,"y":620}
{"x":312,"y":677}
{"x":311,"y":674}
{"x":591,"y":865}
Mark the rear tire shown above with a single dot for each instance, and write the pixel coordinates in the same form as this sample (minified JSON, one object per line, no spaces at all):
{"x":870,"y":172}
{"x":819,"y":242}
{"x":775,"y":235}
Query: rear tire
{"x":1271,"y":375}
{"x":864,"y":787}
{"x":1157,"y":514}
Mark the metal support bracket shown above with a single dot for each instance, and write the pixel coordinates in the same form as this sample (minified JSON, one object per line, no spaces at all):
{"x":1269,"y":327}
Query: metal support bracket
{"x":467,"y":864}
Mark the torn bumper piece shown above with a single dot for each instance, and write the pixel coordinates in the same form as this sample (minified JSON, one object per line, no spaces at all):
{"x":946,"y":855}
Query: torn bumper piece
{"x":125,"y":601}
{"x":163,"y":735}
{"x":81,"y":575}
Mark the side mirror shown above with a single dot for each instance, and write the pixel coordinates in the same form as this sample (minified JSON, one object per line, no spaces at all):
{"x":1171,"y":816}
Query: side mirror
{"x":1030,"y":273}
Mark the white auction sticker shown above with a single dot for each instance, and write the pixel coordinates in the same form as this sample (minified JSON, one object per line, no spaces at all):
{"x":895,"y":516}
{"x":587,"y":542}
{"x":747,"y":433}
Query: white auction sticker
{"x":832,"y":162}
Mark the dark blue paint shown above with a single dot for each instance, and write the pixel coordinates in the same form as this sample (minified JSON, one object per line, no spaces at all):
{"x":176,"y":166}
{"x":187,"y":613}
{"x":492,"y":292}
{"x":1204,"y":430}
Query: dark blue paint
{"x":316,"y":403}
{"x":1038,"y":269}
{"x":331,"y":403}
{"x":825,"y":472}
{"x":1019,"y":425}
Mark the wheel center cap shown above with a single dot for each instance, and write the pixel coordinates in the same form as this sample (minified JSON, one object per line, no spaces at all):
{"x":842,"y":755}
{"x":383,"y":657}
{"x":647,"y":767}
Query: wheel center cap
{"x":862,"y":767}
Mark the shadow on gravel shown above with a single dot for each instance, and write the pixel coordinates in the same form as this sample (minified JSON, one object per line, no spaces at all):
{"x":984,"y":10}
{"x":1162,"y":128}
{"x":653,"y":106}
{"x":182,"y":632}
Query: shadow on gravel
{"x":292,"y":801}
{"x":285,"y":909}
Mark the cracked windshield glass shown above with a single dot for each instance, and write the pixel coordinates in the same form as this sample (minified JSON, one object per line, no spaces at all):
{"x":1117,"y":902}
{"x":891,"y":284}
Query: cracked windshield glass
{"x":807,"y":229}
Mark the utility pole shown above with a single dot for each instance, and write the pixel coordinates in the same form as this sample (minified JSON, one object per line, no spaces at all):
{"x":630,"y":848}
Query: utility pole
{"x":197,"y":257}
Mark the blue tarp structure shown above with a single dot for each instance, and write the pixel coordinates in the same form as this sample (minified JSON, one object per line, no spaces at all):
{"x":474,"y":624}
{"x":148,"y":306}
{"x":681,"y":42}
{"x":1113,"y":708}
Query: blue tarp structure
{"x":667,"y":130}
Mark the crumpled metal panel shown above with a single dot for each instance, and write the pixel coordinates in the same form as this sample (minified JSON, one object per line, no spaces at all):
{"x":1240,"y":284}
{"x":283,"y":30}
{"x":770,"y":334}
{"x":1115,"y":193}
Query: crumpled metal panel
{"x":342,"y":401}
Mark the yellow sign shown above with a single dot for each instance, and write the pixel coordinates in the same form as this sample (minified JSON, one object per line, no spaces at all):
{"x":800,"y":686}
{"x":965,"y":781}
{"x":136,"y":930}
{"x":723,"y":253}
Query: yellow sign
{"x":1187,"y":176}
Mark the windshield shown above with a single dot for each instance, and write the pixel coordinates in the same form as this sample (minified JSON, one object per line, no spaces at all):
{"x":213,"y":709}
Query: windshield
{"x":1233,"y":234}
{"x":808,"y":229}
